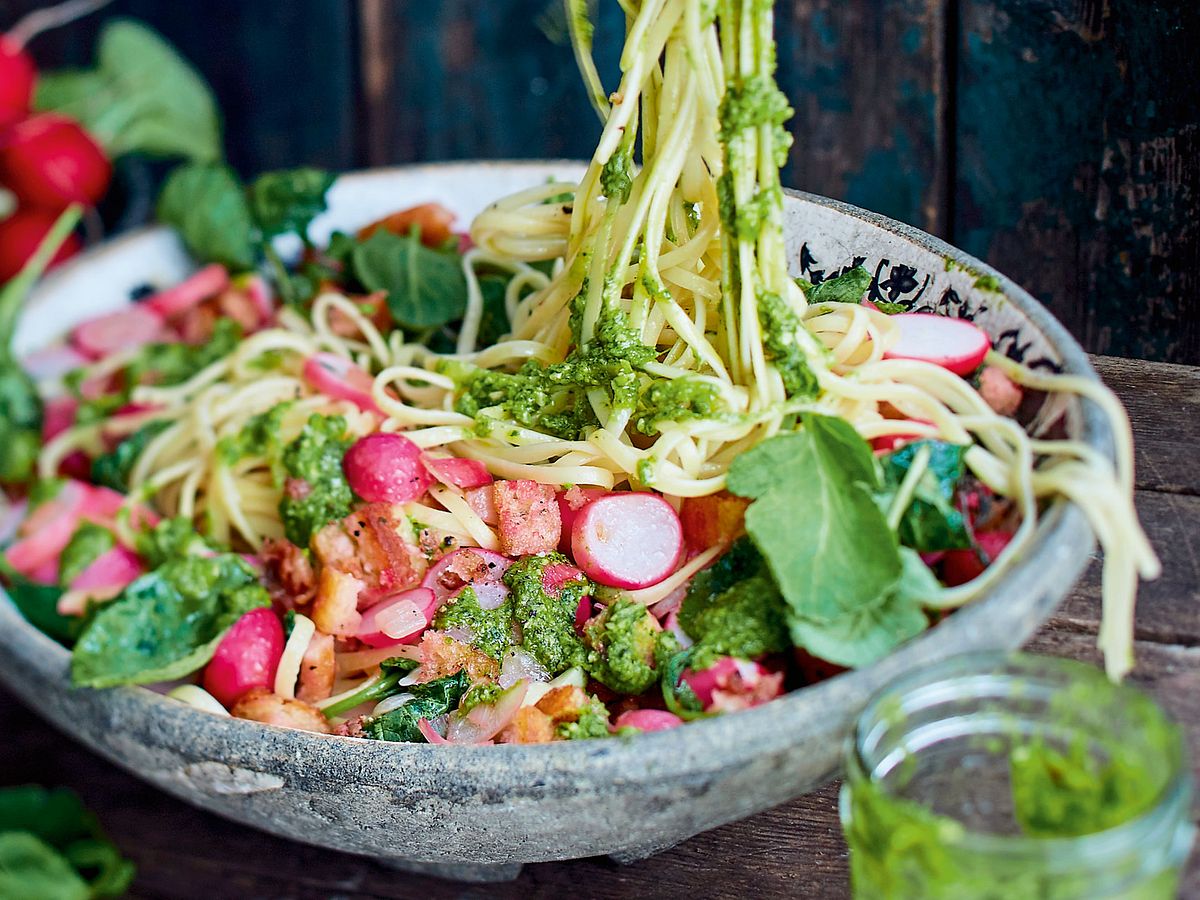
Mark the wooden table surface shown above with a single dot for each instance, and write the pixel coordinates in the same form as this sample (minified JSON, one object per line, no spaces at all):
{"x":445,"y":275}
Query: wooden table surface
{"x":794,"y":850}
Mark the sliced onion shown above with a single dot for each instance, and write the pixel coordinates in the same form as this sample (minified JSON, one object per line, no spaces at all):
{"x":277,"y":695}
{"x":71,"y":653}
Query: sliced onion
{"x":570,"y":678}
{"x":387,"y":704}
{"x":429,"y":730}
{"x":363,"y":660}
{"x":487,"y":720}
{"x":194,"y":695}
{"x":490,"y":594}
{"x":519,"y":664}
{"x":461,"y":633}
{"x":293,"y":654}
{"x":401,"y":619}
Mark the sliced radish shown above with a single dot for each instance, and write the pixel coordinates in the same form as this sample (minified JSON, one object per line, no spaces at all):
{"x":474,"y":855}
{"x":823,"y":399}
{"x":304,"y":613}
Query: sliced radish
{"x":961,"y":566}
{"x":486,"y":720}
{"x":125,"y":330}
{"x":117,"y":567}
{"x":953,"y":344}
{"x":54,"y":362}
{"x":208,"y":282}
{"x":648,"y":720}
{"x":398,"y":619}
{"x":341,"y":379}
{"x":57,"y":416}
{"x":259,"y":293}
{"x":459,"y":472}
{"x":628,"y":540}
{"x":247,"y":656}
{"x":471,"y":565}
{"x":569,"y":505}
{"x":386,"y":468}
{"x":482,"y":501}
{"x":46,"y":533}
{"x":583,"y":612}
{"x":704,"y":682}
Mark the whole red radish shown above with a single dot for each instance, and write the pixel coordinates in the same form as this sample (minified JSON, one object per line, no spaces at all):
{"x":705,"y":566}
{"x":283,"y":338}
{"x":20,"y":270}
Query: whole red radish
{"x":17,"y":77}
{"x":49,"y":161}
{"x":20,"y":235}
{"x":386,"y":468}
{"x":246,"y":657}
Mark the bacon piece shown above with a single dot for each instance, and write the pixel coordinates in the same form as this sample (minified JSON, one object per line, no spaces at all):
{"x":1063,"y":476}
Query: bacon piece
{"x":318,"y":669}
{"x":374,"y":309}
{"x":482,"y":501}
{"x":563,"y":704}
{"x":530,"y":521}
{"x":367,"y":544}
{"x":716,"y":520}
{"x":335,"y":609}
{"x":999,"y":391}
{"x":260,"y":705}
{"x":529,"y":726}
{"x":290,"y":576}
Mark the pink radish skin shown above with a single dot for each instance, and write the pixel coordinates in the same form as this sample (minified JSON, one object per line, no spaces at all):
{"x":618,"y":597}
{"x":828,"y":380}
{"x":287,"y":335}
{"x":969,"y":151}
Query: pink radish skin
{"x":246,"y":657}
{"x":125,"y":330}
{"x":54,"y":362}
{"x":583,"y":612}
{"x":18,"y":74}
{"x":341,"y":379}
{"x":386,"y":468}
{"x":116,"y":568}
{"x":57,"y":416}
{"x":953,"y":344}
{"x":260,"y":295}
{"x":704,"y":682}
{"x":369,"y":631}
{"x":49,"y":161}
{"x":627,"y":540}
{"x":453,"y":572}
{"x":648,"y":720}
{"x":569,"y":505}
{"x":208,"y":282}
{"x":46,"y":533}
{"x":459,"y":472}
{"x":429,"y":732}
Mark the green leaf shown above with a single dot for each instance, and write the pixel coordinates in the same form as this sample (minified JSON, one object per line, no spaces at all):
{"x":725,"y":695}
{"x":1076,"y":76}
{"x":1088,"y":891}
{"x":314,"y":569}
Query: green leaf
{"x":167,"y":623}
{"x":931,"y":522}
{"x":87,"y":544}
{"x":848,"y":287}
{"x":288,"y":201}
{"x":142,"y":97}
{"x":824,"y":538}
{"x":112,"y":469}
{"x":426,"y":288}
{"x":33,"y":870}
{"x":38,"y":603}
{"x":430,"y":700}
{"x":862,"y":636}
{"x":206,"y":205}
{"x":494,"y":323}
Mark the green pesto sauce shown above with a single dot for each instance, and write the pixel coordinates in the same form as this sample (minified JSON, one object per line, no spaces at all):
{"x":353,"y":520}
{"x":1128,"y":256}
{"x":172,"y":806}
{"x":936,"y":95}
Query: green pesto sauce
{"x":492,"y":629}
{"x":315,"y":457}
{"x":259,"y":437}
{"x":621,"y":647}
{"x":780,"y":325}
{"x":480,"y":695}
{"x":547,"y":622}
{"x":616,"y":178}
{"x":592,"y":723}
{"x":87,"y":544}
{"x":677,"y":400}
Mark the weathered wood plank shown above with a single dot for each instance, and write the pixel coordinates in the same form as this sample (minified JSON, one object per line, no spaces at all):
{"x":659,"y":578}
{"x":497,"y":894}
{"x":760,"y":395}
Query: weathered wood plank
{"x":1078,"y":163}
{"x":1163,"y":402}
{"x":869,"y":84}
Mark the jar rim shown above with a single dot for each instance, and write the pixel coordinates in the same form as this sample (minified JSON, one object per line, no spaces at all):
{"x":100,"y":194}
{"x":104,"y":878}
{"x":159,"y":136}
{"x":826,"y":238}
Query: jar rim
{"x":1171,"y":801}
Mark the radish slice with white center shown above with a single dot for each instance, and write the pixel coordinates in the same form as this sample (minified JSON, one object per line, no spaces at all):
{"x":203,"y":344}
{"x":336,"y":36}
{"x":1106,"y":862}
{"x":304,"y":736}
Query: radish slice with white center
{"x":471,"y":565}
{"x":953,"y":344}
{"x":124,"y":330}
{"x":628,"y":540}
{"x":397,"y":619}
{"x":341,"y":379}
{"x":208,"y":282}
{"x":486,"y":720}
{"x":386,"y":468}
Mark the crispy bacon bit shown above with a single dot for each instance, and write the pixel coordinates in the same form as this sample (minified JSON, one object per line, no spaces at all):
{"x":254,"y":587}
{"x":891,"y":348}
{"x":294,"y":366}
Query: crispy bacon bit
{"x":735,"y":692}
{"x":999,"y":391}
{"x":530,"y":521}
{"x":442,"y":655}
{"x":335,"y":610}
{"x":235,"y":303}
{"x":290,"y":576}
{"x":351,"y":728}
{"x":260,"y":705}
{"x":433,"y":220}
{"x":318,"y":669}
{"x":563,"y":704}
{"x":718,"y":519}
{"x":529,"y":726}
{"x":367,"y":545}
{"x":374,"y":309}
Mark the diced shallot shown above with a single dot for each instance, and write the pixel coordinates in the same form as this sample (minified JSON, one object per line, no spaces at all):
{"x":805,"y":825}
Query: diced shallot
{"x":628,"y":540}
{"x":397,"y":619}
{"x":648,"y":720}
{"x":386,"y":468}
{"x":126,"y":329}
{"x":954,"y":344}
{"x":518,"y":664}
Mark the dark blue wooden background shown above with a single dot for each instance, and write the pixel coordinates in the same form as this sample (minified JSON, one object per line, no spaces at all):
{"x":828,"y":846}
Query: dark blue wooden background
{"x":1057,"y":139}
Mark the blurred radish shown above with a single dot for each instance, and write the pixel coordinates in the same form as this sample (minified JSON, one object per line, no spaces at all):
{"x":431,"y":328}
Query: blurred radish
{"x":999,"y":391}
{"x":648,"y":720}
{"x":953,"y":344}
{"x":398,"y":619}
{"x":386,"y":468}
{"x":207,"y":282}
{"x":47,"y":531}
{"x":459,"y":472}
{"x":486,"y":720}
{"x":52,"y":362}
{"x":961,"y":566}
{"x":22,"y":233}
{"x":49,"y":161}
{"x":108,"y":575}
{"x":341,"y":379}
{"x":126,"y":329}
{"x":627,"y":540}
{"x":246,"y":657}
{"x":57,"y":416}
{"x":17,"y":78}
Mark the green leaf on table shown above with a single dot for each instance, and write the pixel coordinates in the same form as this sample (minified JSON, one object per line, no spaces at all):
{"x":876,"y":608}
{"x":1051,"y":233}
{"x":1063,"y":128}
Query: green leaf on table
{"x":425,"y":288}
{"x":814,"y":518}
{"x":142,"y":97}
{"x":167,"y":623}
{"x":848,"y":287}
{"x":32,"y":869}
{"x":931,"y":522}
{"x":207,"y":206}
{"x":287,"y":201}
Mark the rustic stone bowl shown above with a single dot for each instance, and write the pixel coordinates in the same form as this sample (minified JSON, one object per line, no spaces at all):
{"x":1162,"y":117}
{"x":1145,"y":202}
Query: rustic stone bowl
{"x":478,"y":813}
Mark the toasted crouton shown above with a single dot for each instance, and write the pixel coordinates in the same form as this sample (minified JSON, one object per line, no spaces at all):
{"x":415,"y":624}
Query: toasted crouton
{"x":529,"y":518}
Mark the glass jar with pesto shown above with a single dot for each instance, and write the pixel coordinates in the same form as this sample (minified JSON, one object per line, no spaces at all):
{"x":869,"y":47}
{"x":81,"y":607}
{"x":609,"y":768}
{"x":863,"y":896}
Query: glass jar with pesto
{"x":1015,"y":777}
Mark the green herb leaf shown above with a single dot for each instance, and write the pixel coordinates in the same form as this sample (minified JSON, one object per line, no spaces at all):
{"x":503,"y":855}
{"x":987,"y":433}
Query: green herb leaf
{"x":87,"y":544}
{"x":167,"y":623}
{"x":112,"y":469}
{"x":426,"y":288}
{"x":142,"y":97}
{"x":430,"y":700}
{"x":288,"y":200}
{"x":931,"y":522}
{"x":848,"y":287}
{"x":38,"y":603}
{"x":206,"y":205}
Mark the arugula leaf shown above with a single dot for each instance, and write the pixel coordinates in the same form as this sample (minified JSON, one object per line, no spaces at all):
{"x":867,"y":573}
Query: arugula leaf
{"x":288,"y":200}
{"x":862,"y":636}
{"x":206,"y":205}
{"x":931,"y":522}
{"x":49,"y":843}
{"x":426,"y":288}
{"x":430,"y":700}
{"x":38,"y":603}
{"x":167,"y":623}
{"x":493,"y":324}
{"x":142,"y":97}
{"x":112,"y":469}
{"x":89,"y":542}
{"x":815,"y":521}
{"x":848,"y":287}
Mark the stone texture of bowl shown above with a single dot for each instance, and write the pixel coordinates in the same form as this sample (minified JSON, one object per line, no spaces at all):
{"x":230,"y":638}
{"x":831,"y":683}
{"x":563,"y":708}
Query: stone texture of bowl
{"x":479,"y":812}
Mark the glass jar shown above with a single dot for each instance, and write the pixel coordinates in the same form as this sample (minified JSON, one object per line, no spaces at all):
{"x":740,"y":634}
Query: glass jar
{"x":1015,"y":778}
